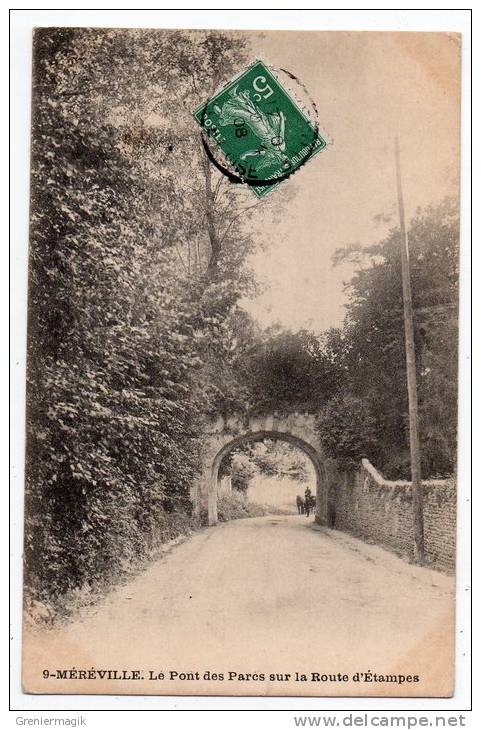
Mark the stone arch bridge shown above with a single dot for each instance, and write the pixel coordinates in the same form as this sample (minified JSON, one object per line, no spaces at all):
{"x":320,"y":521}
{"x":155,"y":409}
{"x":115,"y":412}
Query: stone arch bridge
{"x":223,"y":434}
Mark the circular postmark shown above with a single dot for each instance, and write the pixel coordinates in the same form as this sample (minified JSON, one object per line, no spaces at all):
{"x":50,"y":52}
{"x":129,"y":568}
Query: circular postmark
{"x":273,"y":127}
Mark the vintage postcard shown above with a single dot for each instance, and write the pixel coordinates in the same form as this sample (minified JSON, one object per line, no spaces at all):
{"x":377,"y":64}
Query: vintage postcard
{"x":242,"y":363}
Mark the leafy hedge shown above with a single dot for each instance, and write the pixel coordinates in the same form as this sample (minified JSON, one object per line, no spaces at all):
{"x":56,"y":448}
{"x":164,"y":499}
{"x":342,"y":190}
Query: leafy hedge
{"x":369,"y":415}
{"x":119,"y":331}
{"x":236,"y":506}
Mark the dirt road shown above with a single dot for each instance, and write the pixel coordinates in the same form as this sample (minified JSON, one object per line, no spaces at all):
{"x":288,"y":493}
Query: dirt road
{"x":260,"y":596}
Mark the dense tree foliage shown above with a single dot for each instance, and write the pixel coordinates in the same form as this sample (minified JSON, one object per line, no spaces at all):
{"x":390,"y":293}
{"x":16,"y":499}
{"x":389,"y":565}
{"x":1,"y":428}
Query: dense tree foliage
{"x":372,"y":355}
{"x":281,"y":459}
{"x":348,"y":431}
{"x":137,"y":266}
{"x":288,"y":371}
{"x":354,"y":377}
{"x":131,"y":295}
{"x":271,"y":458}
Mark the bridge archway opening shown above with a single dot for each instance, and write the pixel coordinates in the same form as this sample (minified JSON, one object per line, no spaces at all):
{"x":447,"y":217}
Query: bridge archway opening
{"x":312,"y":454}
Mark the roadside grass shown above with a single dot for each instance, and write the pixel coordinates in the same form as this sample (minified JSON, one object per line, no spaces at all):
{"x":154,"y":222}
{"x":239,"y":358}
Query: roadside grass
{"x":236,"y":506}
{"x":56,"y":608}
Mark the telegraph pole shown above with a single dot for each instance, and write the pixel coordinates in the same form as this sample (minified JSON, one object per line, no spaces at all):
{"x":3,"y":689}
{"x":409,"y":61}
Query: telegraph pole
{"x":417,"y":496}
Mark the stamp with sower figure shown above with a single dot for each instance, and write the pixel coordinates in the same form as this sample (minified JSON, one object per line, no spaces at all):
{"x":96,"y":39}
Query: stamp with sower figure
{"x":261,"y":130}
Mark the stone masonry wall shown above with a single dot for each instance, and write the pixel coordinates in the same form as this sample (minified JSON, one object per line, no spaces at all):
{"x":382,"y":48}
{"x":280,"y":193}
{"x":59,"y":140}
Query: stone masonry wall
{"x":380,"y":511}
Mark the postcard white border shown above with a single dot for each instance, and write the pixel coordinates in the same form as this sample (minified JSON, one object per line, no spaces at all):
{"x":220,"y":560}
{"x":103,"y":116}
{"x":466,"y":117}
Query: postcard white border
{"x":22,"y":22}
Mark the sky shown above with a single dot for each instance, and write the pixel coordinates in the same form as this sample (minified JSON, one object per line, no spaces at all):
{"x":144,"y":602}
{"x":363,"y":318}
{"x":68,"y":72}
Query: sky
{"x":368,"y":88}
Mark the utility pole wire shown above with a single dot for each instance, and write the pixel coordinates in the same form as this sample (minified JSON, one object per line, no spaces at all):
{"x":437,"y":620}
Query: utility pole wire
{"x":417,"y":495}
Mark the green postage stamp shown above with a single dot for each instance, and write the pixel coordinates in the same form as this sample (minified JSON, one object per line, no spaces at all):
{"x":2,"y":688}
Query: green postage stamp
{"x":261,"y":130}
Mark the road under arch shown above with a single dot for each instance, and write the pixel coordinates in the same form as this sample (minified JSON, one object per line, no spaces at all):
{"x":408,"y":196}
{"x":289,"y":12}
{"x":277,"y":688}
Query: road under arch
{"x":225,"y":434}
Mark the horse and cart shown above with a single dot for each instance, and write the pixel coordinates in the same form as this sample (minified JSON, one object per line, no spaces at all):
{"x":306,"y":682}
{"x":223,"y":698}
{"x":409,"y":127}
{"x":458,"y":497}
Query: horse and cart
{"x":305,"y":505}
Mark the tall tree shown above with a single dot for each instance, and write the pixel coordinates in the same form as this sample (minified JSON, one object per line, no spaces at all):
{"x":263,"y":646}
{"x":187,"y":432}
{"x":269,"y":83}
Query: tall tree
{"x":374,"y":344}
{"x":290,"y":371}
{"x":126,"y":302}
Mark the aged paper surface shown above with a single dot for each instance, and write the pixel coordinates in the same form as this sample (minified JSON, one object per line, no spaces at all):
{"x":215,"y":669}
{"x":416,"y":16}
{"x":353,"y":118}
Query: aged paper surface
{"x":219,"y":496}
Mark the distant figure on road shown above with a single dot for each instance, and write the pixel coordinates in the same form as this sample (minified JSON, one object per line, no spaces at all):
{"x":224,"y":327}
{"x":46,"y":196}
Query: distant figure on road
{"x":309,"y":501}
{"x":300,"y":505}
